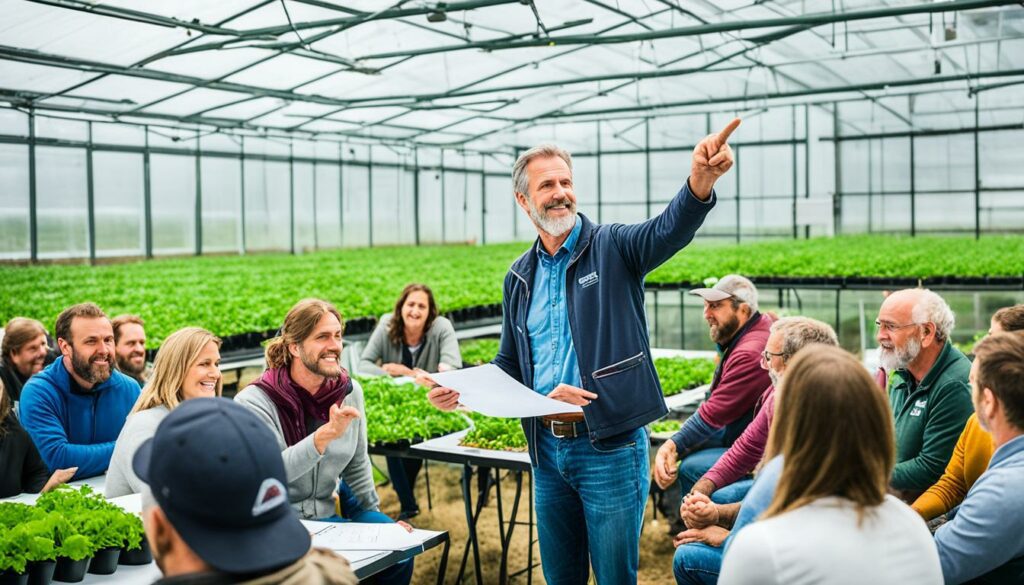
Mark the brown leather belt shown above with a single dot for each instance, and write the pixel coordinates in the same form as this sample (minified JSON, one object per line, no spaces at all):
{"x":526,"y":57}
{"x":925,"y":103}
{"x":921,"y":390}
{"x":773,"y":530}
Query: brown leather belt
{"x":566,"y":426}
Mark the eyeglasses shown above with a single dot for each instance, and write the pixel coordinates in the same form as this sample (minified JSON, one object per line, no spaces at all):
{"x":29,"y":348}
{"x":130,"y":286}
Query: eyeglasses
{"x":767,"y":355}
{"x":892,"y":327}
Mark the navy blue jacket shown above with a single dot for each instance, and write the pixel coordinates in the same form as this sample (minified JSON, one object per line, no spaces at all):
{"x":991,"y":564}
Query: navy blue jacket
{"x":76,"y":429}
{"x":605,"y":299}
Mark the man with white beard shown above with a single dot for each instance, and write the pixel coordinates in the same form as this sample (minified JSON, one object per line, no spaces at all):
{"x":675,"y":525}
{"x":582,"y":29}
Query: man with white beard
{"x":929,"y":392}
{"x":575,"y":329}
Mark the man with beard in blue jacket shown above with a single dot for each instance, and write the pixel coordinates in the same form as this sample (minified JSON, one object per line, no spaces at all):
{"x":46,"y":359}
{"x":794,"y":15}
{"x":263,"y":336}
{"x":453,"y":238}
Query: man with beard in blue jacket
{"x":575,"y":330}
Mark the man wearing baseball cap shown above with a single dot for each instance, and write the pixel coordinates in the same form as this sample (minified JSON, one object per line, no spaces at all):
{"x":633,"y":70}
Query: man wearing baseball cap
{"x":740,"y":333}
{"x":217,"y":507}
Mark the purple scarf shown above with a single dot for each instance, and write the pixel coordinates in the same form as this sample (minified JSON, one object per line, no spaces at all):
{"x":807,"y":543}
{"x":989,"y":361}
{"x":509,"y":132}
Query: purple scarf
{"x":294,"y":403}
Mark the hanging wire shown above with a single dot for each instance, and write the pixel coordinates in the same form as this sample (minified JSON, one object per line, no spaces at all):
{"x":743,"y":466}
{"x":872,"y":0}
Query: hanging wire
{"x":287,"y":15}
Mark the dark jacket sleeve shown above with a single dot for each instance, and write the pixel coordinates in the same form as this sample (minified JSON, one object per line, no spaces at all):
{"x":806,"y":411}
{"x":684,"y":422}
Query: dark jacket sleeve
{"x":947,"y":417}
{"x":648,"y":244}
{"x":508,"y":357}
{"x":33,"y":472}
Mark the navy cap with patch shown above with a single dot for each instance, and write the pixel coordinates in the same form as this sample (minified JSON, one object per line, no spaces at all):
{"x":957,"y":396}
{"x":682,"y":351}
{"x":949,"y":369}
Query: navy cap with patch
{"x":216,"y":471}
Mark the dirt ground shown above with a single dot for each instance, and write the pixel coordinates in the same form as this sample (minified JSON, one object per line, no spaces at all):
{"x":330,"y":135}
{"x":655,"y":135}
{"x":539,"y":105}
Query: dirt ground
{"x":448,"y":513}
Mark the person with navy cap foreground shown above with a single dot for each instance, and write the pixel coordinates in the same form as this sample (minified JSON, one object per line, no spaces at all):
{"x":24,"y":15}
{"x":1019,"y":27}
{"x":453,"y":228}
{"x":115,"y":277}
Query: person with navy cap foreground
{"x":217,"y":509}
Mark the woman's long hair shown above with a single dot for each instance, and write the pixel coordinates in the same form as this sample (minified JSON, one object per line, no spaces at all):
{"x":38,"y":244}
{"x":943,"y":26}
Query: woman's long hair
{"x":5,"y":408}
{"x":396,"y":329}
{"x":177,"y":355}
{"x":835,"y":431}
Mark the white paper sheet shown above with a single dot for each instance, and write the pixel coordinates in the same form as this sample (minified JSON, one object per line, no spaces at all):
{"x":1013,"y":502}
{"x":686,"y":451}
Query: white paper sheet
{"x":351,"y":536}
{"x":130,"y":503}
{"x":488,"y":390}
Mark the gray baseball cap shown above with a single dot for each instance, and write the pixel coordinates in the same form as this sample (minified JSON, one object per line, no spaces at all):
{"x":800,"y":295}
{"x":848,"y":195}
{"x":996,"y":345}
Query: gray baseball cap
{"x":729,"y":286}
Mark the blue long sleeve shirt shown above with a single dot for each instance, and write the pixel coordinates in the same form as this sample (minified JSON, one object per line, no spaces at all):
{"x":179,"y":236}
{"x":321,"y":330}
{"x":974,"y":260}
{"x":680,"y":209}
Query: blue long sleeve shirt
{"x":986,"y":537}
{"x":76,"y":428}
{"x":551,"y":349}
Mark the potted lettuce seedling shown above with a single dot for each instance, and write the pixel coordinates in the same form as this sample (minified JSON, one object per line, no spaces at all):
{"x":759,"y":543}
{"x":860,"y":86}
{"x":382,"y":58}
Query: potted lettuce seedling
{"x":103,"y":527}
{"x":136,"y":548}
{"x":13,"y":560}
{"x":73,"y":556}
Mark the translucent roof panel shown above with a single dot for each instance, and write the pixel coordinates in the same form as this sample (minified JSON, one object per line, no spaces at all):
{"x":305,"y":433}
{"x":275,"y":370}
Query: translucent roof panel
{"x":495,"y":75}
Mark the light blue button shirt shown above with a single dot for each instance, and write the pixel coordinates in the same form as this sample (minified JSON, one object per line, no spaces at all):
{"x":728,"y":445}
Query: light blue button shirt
{"x":551,"y":348}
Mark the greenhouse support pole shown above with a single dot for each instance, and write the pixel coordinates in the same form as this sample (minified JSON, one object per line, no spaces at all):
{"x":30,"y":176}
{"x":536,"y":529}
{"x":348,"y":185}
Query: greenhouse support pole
{"x":416,"y":193}
{"x":736,"y":165}
{"x":33,"y":220}
{"x":913,"y":191}
{"x":91,"y":197}
{"x":199,"y":198}
{"x":837,"y":175}
{"x":977,"y":170}
{"x":682,"y":319}
{"x":483,"y":201}
{"x":599,"y":186}
{"x":369,"y":194}
{"x":871,"y":184}
{"x":647,"y":161}
{"x":291,"y":196}
{"x":444,"y":227}
{"x":807,"y":161}
{"x":316,"y":235}
{"x":341,"y":193}
{"x":241,"y":175}
{"x":795,"y":170}
{"x":147,"y":196}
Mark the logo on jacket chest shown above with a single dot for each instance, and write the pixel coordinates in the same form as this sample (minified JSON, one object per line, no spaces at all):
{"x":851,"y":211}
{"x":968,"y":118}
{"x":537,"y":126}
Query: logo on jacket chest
{"x":585,"y":281}
{"x":919,"y":407}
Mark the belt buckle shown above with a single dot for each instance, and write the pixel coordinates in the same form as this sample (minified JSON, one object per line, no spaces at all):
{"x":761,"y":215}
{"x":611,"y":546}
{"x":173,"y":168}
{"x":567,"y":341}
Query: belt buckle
{"x":569,"y":435}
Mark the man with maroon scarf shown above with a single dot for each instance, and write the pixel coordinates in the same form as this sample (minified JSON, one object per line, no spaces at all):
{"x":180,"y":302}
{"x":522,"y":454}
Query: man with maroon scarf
{"x":316,"y":411}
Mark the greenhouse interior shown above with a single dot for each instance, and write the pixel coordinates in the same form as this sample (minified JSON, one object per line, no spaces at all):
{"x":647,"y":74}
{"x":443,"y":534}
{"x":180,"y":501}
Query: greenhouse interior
{"x":364,"y":221}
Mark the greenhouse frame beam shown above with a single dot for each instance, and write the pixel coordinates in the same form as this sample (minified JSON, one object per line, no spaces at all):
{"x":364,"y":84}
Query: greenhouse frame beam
{"x":872,"y":86}
{"x":138,"y":16}
{"x":922,"y":133}
{"x":809,"y":20}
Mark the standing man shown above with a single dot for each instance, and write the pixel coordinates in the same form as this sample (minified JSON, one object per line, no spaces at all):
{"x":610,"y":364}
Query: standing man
{"x":130,"y":347}
{"x":575,"y":329}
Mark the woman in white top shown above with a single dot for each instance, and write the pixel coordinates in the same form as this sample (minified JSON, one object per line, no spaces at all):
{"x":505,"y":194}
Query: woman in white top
{"x":187,"y":366}
{"x":830,"y":520}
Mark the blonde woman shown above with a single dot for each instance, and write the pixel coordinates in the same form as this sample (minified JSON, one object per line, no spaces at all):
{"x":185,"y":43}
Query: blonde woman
{"x":187,"y":366}
{"x":830,"y":520}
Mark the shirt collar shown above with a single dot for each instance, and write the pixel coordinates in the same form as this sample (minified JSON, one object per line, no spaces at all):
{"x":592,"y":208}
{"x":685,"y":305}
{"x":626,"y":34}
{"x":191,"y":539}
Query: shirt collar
{"x":568,"y":245}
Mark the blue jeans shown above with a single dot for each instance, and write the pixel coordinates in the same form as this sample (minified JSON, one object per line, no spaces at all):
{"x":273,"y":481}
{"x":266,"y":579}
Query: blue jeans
{"x":697,"y":564}
{"x":352,"y":511}
{"x":732,"y":493}
{"x":696,"y":464}
{"x":590,"y":501}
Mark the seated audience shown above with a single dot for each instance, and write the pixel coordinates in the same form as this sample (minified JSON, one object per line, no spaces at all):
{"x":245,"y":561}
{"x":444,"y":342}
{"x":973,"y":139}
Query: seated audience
{"x":216,"y":509}
{"x":316,"y":412}
{"x":830,"y":520}
{"x":983,"y":542}
{"x":740,"y":333}
{"x":130,"y":347}
{"x":21,"y":468}
{"x":929,"y":393}
{"x":411,"y":339}
{"x":76,"y":407}
{"x":974,"y":448}
{"x":187,"y":366}
{"x":788,"y":335}
{"x":25,"y":353}
{"x":698,"y":556}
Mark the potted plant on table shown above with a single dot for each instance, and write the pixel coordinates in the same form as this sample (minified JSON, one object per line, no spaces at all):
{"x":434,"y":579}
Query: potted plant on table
{"x":13,"y":560}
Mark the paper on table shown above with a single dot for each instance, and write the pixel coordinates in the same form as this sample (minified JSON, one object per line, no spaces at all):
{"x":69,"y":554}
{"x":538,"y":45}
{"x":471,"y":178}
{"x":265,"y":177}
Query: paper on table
{"x":489,"y":390}
{"x":359,"y":536}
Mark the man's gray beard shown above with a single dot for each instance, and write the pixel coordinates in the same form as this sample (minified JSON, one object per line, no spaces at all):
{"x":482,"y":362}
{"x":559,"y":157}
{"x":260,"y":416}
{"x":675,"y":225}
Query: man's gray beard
{"x":899,"y":358}
{"x":775,"y":378}
{"x":554,"y":227}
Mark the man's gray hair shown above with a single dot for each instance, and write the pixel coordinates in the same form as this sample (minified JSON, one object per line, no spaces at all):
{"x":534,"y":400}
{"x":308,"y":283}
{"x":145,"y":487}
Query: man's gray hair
{"x":521,"y":182}
{"x":798,"y":332}
{"x":931,"y":308}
